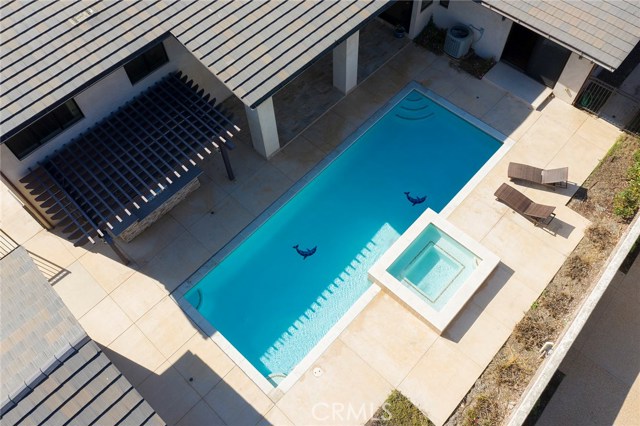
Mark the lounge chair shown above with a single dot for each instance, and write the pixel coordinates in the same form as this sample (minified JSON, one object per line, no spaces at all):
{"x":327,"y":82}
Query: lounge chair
{"x":539,"y":214}
{"x":551,"y":177}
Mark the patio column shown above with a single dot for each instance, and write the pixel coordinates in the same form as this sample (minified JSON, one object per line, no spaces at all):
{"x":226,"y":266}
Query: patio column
{"x":264,"y":130}
{"x":345,"y":64}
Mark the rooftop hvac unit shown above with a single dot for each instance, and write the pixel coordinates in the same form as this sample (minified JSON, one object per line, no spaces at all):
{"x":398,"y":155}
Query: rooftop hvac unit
{"x":458,"y":41}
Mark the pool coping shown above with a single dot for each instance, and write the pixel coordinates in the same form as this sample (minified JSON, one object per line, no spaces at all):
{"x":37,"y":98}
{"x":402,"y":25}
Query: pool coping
{"x":436,"y":319}
{"x":276,"y":392}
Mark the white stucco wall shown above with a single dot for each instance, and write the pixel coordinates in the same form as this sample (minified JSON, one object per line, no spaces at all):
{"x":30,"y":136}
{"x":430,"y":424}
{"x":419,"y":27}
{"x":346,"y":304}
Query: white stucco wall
{"x":420,"y":19}
{"x":106,"y":95}
{"x":573,"y":75}
{"x":496,"y":30}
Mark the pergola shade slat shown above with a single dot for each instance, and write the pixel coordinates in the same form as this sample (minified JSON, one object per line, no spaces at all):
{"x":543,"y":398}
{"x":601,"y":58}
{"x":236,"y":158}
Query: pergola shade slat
{"x":123,"y":168}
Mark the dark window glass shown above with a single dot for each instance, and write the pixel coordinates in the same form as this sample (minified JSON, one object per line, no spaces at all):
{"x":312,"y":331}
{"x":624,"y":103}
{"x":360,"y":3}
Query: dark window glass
{"x":145,"y":64}
{"x":444,"y":3}
{"x":45,"y":128}
{"x":425,"y":4}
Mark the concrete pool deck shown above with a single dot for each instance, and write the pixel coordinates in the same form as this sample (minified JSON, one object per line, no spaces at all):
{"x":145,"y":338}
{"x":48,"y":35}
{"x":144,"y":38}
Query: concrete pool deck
{"x":187,"y":378}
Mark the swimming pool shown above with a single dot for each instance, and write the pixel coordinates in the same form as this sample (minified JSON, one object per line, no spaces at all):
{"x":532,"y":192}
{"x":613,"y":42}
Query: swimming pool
{"x":280,"y":291}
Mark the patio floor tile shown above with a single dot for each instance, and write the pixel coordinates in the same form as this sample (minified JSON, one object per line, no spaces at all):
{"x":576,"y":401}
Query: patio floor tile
{"x":237,"y":400}
{"x":398,"y":336}
{"x":54,"y":249}
{"x":275,"y":417}
{"x":202,"y":363}
{"x":158,"y":236}
{"x":199,"y":203}
{"x":107,"y":310}
{"x":511,"y":116}
{"x":297,"y":158}
{"x":440,"y":380}
{"x":168,"y":393}
{"x":23,"y":226}
{"x":504,"y":297}
{"x":533,"y":261}
{"x":258,"y":192}
{"x":105,"y":266}
{"x":138,"y":294}
{"x":598,"y":132}
{"x":476,"y":334}
{"x":476,"y":97}
{"x":476,"y":216}
{"x":330,"y":130}
{"x":134,"y":355}
{"x":173,"y":264}
{"x":215,"y":230}
{"x":79,"y":290}
{"x":348,"y":391}
{"x":411,"y":61}
{"x":166,"y":326}
{"x":200,"y":415}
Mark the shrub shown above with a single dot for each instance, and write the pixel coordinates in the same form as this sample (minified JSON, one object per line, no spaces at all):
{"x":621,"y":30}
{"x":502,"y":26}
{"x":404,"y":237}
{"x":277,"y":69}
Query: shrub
{"x":432,"y":38}
{"x":476,"y":65}
{"x":599,"y":236}
{"x":577,"y":267}
{"x":558,"y":303}
{"x":484,"y":412}
{"x":627,"y":201}
{"x":398,"y":411}
{"x":511,"y":372}
{"x":533,"y":330}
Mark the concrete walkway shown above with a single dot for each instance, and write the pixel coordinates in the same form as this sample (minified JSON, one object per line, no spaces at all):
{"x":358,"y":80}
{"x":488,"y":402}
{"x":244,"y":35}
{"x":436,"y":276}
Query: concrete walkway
{"x":188,"y":379}
{"x":602,"y":382}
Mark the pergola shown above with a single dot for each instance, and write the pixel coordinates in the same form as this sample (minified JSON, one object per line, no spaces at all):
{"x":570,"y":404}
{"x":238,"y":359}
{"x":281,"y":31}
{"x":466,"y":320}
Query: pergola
{"x":127,"y":165}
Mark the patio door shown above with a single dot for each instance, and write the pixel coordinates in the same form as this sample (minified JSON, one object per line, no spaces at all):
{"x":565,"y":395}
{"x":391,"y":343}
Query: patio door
{"x":536,"y":56}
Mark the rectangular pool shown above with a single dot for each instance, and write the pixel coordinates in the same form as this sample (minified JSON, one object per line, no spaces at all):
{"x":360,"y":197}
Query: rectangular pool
{"x":284,"y":287}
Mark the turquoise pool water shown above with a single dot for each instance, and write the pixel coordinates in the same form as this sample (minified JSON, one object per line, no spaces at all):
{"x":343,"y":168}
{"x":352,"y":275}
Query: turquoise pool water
{"x":434,"y":266}
{"x":279,"y":292}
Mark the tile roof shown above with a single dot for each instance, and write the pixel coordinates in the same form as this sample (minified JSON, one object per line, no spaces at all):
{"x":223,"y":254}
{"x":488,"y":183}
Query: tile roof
{"x":50,"y":50}
{"x":52,"y":373}
{"x":604,"y":31}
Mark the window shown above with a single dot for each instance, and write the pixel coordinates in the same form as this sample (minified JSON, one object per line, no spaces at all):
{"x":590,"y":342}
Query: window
{"x":145,"y":64}
{"x":444,"y":3}
{"x":45,"y":128}
{"x":425,"y":4}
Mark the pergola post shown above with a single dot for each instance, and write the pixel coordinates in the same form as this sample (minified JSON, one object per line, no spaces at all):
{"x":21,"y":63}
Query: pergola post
{"x":264,"y":130}
{"x":345,"y":64}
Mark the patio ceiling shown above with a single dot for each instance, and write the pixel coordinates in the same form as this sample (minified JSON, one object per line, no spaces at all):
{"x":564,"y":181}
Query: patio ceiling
{"x":125,"y":166}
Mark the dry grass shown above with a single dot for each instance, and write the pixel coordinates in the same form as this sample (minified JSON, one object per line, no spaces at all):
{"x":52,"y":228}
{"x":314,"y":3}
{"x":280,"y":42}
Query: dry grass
{"x":558,"y":303}
{"x":397,"y":410}
{"x":485,"y":411}
{"x":534,"y":330}
{"x":577,"y":267}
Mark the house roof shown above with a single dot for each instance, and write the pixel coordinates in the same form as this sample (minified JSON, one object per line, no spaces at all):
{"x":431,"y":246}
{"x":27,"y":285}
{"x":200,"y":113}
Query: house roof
{"x":52,"y":373}
{"x":51,"y":50}
{"x":604,"y":31}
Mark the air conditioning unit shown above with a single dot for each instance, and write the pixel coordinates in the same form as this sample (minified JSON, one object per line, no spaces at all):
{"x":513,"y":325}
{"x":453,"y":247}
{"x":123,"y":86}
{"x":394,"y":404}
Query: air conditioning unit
{"x":458,"y":41}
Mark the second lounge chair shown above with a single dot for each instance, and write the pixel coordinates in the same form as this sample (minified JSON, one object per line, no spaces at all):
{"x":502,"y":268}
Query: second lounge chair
{"x":551,"y":177}
{"x":539,"y":214}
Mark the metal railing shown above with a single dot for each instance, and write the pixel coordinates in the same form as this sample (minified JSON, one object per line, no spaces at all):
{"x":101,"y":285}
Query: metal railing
{"x":7,"y":244}
{"x":610,"y":103}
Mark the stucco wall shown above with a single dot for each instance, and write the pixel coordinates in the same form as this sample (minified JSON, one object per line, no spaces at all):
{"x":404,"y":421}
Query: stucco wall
{"x":573,"y":75}
{"x":491,"y":42}
{"x":419,"y":19}
{"x":102,"y":98}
